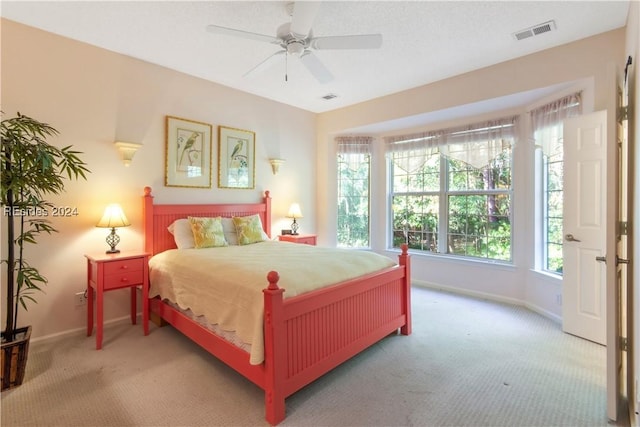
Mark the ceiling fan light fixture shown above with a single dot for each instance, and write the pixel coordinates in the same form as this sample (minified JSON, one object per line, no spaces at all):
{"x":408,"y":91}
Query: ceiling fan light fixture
{"x":295,"y":48}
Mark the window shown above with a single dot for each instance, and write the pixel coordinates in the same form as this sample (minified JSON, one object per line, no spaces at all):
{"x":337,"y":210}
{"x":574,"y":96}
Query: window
{"x":451,"y":190}
{"x":415,"y":199}
{"x":547,"y":133}
{"x":354,"y":166}
{"x":552,"y":216}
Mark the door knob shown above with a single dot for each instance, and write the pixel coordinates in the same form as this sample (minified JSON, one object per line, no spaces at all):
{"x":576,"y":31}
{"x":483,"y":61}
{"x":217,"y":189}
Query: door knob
{"x":570,"y":238}
{"x":601,"y":259}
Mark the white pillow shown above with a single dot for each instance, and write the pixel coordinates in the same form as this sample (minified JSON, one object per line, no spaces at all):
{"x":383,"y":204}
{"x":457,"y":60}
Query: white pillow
{"x":229,"y":230}
{"x":182,"y":234}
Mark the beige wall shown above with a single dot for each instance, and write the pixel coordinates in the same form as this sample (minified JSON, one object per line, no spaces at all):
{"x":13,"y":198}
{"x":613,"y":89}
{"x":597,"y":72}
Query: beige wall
{"x":95,"y":97}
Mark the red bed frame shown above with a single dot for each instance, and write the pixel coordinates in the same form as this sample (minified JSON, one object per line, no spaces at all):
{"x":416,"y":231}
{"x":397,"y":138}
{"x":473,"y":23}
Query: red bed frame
{"x":304,"y":336}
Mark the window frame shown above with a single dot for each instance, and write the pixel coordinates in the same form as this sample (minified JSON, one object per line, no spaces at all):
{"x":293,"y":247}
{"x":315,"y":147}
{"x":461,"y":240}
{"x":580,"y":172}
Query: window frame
{"x":444,"y":193}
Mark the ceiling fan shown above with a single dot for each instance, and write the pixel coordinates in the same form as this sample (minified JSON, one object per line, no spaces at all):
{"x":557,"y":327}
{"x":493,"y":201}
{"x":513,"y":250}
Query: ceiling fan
{"x":296,"y":39}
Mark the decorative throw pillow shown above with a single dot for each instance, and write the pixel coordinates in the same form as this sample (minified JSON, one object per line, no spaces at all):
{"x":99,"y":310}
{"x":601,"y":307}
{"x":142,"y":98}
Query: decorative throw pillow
{"x":182,"y":234}
{"x":207,"y":232}
{"x":249,"y":229}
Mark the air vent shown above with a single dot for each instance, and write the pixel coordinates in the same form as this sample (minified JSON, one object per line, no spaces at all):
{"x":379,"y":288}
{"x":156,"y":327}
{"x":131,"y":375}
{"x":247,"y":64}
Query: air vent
{"x":535,"y":30}
{"x":329,"y":96}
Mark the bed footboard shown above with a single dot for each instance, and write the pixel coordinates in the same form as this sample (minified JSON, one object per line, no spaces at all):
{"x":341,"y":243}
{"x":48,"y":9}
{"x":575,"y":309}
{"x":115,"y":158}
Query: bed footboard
{"x":308,"y":335}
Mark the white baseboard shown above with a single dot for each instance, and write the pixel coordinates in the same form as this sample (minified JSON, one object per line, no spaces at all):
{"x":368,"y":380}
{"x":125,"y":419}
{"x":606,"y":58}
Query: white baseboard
{"x":488,"y":296}
{"x":541,"y":311}
{"x":77,"y":331}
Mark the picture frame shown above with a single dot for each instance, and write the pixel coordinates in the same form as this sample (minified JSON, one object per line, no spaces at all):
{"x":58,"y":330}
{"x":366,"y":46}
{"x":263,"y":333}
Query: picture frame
{"x":188,"y":153}
{"x":236,"y":158}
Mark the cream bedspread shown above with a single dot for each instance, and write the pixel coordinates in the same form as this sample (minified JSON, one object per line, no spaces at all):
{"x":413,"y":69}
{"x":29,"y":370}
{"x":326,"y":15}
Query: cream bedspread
{"x":225,"y":284}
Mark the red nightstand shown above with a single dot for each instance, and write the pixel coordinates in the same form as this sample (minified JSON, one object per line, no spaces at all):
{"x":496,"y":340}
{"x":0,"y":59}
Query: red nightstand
{"x":307,"y":239}
{"x":108,"y":272}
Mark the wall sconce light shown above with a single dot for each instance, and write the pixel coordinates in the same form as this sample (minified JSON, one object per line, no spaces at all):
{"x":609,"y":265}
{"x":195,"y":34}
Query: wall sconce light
{"x":294,"y":212}
{"x":127,"y":150}
{"x":275,"y":165}
{"x":113,"y":217}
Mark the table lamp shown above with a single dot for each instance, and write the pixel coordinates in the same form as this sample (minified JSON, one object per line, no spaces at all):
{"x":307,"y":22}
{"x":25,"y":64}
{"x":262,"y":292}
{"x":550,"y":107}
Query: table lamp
{"x":294,"y":212}
{"x":113,"y":217}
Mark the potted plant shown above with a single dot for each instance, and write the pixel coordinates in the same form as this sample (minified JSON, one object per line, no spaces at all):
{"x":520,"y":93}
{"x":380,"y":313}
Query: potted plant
{"x":30,"y":169}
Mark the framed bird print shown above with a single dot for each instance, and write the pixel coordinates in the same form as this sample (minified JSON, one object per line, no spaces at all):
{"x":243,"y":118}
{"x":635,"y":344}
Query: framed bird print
{"x":188,"y":153}
{"x":236,"y":158}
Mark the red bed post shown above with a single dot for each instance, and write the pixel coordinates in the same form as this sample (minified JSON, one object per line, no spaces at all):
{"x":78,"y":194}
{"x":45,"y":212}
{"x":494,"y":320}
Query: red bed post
{"x":405,"y":260}
{"x":267,"y":220}
{"x":147,"y":219}
{"x":274,"y":350}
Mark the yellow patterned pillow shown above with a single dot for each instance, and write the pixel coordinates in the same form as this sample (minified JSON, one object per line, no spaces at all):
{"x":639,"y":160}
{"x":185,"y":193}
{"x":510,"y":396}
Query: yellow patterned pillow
{"x":207,"y":232}
{"x":249,"y":229}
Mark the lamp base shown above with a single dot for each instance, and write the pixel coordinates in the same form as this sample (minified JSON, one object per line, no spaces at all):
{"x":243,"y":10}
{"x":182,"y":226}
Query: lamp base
{"x":112,"y":240}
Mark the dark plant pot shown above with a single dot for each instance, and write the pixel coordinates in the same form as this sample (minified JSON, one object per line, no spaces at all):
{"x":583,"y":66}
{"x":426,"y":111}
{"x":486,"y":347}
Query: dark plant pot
{"x":14,"y":358}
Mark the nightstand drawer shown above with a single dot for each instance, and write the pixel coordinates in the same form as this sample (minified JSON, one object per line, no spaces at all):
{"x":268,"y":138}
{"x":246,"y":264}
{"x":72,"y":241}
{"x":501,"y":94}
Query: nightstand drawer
{"x":124,"y":266}
{"x":122,"y":280}
{"x":306,"y":239}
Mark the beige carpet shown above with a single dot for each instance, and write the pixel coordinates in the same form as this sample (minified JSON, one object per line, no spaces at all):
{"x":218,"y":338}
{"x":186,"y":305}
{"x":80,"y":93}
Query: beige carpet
{"x":468,"y":363}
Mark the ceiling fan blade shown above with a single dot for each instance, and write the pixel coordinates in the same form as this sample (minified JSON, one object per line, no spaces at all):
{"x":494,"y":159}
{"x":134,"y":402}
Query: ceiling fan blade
{"x":316,"y":67}
{"x":215,"y":29}
{"x":364,"y":41}
{"x":264,"y":64}
{"x":304,"y":13}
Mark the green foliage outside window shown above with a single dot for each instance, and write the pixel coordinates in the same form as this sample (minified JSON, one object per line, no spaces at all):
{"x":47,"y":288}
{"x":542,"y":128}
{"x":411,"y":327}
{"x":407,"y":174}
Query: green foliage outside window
{"x":553,"y":212}
{"x":353,"y":200}
{"x":478,"y":207}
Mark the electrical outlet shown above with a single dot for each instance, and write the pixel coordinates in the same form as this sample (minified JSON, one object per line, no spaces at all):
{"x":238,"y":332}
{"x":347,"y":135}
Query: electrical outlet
{"x":81,"y":298}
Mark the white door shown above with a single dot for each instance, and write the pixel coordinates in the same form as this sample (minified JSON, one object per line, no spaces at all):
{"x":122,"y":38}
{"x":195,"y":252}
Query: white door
{"x":585,"y":227}
{"x":591,"y":271}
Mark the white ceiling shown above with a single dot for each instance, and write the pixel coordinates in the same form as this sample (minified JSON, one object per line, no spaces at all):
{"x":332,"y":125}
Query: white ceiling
{"x":423,"y":41}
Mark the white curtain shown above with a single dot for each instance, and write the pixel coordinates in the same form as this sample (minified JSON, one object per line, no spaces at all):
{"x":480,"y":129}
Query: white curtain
{"x":480,"y":143}
{"x":351,"y":148}
{"x":476,"y":144}
{"x":547,"y":122}
{"x":412,"y":151}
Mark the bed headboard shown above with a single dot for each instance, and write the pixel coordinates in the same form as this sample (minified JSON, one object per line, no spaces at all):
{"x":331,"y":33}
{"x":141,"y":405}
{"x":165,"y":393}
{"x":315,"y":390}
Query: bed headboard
{"x":157,"y":218}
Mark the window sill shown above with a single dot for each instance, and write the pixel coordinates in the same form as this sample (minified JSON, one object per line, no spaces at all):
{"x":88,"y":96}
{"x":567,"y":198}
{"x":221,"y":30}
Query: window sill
{"x":457,"y":259}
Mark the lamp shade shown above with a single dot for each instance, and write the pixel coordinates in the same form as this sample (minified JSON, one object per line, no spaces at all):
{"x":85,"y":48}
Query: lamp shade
{"x":113,"y":217}
{"x":294,"y":211}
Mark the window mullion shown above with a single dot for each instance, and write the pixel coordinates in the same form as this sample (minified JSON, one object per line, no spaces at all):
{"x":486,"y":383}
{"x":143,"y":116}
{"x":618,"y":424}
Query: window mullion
{"x":443,"y":224}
